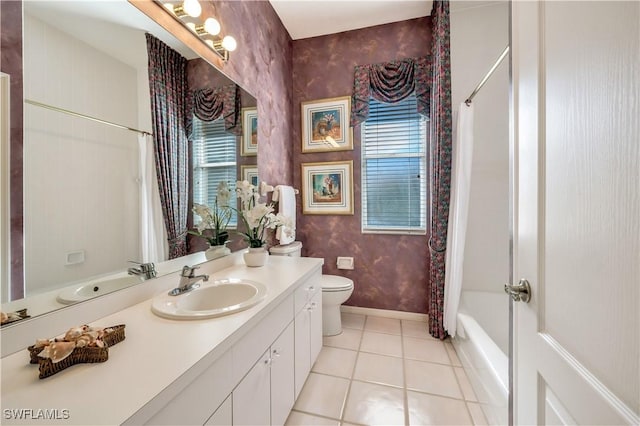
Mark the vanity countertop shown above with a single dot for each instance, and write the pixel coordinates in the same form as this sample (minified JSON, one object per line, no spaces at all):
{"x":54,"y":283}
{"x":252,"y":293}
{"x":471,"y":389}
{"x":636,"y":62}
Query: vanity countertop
{"x":154,"y":354}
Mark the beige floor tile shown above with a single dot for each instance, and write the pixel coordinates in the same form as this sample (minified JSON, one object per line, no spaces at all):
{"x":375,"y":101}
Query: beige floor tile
{"x":453,"y":356}
{"x":382,"y":325}
{"x":465,"y":385}
{"x":297,"y":418}
{"x":323,"y":395}
{"x":425,"y":350}
{"x":335,"y":361}
{"x":435,"y":410}
{"x":384,"y":370}
{"x":477,"y":415}
{"x":382,"y":344}
{"x":348,"y":339}
{"x":372,"y":404}
{"x":432,"y":378}
{"x":350,"y":320}
{"x":418,"y":329}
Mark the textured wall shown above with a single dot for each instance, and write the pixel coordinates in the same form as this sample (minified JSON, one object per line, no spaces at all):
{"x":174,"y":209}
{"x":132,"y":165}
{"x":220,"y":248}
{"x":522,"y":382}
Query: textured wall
{"x":11,"y":63}
{"x":391,"y":271}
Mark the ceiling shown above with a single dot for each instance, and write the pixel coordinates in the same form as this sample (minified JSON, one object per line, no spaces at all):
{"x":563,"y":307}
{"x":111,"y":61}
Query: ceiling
{"x":311,"y":18}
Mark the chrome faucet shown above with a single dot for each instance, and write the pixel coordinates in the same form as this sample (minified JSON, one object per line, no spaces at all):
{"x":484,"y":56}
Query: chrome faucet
{"x":146,"y":270}
{"x":188,"y":280}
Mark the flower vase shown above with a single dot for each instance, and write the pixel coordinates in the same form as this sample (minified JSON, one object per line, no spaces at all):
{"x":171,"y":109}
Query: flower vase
{"x":214,"y":252}
{"x":256,"y":256}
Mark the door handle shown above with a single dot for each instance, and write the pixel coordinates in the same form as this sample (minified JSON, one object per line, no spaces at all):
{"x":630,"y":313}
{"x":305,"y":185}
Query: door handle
{"x":520,"y":292}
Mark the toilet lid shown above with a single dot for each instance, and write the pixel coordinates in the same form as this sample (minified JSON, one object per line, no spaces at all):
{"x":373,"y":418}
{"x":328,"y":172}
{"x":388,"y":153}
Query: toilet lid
{"x":336,"y":283}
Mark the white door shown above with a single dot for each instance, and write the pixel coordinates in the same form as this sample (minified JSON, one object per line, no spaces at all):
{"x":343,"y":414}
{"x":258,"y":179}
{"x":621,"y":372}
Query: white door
{"x":576,"y":96}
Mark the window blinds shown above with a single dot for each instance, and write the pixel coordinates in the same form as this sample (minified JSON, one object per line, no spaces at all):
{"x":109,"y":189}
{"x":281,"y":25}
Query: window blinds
{"x":394,"y":150}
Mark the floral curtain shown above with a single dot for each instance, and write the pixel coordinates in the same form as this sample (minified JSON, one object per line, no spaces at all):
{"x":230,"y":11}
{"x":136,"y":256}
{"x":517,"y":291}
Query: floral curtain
{"x":390,"y":82}
{"x":168,"y":88}
{"x":209,"y":104}
{"x":440,"y":162}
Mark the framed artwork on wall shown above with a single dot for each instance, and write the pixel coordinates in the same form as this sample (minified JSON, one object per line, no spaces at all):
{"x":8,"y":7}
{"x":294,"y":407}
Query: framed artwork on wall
{"x":250,"y":174}
{"x":327,"y":188}
{"x":325,"y":125}
{"x":249,"y":144}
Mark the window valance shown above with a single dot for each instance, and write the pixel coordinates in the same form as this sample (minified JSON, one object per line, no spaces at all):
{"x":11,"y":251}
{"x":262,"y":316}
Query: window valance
{"x":210,"y":104}
{"x":390,"y":82}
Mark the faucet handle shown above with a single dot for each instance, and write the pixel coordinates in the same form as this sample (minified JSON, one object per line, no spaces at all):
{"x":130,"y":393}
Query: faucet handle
{"x":187,"y":271}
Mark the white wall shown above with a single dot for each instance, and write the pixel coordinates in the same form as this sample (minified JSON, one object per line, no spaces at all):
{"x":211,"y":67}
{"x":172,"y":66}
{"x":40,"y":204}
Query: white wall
{"x":479,"y":34}
{"x":80,"y":177}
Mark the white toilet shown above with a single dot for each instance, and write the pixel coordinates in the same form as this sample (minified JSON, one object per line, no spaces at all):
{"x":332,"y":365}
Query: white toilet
{"x":335,"y":291}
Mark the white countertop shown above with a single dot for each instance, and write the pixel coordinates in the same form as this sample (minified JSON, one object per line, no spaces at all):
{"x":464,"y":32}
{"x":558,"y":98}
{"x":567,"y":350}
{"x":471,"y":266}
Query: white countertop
{"x":155,"y":353}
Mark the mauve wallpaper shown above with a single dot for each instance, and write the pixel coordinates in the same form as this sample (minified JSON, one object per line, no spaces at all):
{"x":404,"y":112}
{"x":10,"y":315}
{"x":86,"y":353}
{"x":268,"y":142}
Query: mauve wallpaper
{"x":391,"y":271}
{"x":11,"y":63}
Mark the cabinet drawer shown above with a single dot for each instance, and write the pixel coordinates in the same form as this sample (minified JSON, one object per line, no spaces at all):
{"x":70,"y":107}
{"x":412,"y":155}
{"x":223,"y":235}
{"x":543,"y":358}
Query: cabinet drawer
{"x":306,"y":291}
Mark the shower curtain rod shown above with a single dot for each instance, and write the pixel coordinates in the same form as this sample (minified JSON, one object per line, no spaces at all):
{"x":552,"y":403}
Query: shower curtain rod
{"x":88,"y":117}
{"x":486,"y":77}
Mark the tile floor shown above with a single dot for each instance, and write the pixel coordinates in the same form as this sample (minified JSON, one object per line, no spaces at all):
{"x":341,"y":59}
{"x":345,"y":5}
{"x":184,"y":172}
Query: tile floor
{"x":383,"y":371}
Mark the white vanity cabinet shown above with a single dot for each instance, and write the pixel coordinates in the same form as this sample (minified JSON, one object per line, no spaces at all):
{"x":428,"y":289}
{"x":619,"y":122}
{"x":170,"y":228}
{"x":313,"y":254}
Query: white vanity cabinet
{"x":256,"y":380}
{"x":308,"y":330}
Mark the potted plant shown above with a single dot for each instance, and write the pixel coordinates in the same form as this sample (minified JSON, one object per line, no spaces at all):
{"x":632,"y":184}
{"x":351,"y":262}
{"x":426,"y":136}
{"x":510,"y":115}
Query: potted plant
{"x":213,"y":222}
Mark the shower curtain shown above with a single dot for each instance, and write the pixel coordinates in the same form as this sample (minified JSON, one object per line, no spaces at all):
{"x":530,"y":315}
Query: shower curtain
{"x":458,"y":211}
{"x":153,"y":236}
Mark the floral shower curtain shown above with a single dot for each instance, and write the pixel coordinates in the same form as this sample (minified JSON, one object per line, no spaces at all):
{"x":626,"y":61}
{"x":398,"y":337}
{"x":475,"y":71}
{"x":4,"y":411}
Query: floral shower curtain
{"x":168,"y":88}
{"x":440,"y":162}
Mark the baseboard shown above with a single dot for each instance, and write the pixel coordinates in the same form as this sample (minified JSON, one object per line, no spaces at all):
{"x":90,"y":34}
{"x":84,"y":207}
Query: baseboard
{"x":385,"y":313}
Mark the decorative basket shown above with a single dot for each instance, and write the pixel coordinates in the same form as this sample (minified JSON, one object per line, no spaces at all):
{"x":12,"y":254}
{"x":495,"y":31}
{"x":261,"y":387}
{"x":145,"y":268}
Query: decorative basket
{"x":78,"y":356}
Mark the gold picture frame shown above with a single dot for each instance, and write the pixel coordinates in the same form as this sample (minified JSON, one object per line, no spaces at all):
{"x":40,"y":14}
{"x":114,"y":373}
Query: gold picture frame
{"x":325,"y":125}
{"x":249,"y":145}
{"x":327,"y":188}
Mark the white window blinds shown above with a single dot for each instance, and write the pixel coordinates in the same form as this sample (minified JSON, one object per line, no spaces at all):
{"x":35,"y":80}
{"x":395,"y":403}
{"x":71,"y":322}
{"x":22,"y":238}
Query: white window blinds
{"x":214,"y":160}
{"x":394,"y":163}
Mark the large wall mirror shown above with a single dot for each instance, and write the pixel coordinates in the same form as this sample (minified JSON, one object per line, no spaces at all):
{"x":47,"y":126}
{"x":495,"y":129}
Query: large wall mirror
{"x":84,"y":179}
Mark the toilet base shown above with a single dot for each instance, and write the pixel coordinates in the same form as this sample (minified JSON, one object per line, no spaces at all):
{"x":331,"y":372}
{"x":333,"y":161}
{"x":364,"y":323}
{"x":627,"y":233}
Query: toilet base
{"x":331,"y":320}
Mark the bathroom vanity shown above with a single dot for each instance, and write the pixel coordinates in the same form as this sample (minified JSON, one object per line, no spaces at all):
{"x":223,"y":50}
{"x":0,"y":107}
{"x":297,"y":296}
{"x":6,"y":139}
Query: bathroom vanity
{"x":244,"y":368}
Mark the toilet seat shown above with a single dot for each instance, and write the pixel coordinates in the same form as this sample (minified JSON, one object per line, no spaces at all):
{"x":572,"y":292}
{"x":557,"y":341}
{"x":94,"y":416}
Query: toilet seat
{"x":331,"y":283}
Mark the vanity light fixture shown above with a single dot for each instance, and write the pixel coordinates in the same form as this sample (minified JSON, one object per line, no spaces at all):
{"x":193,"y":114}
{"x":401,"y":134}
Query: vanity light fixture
{"x":207,"y":31}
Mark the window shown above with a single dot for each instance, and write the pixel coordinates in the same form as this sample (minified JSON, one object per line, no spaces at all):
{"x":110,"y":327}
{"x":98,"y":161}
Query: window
{"x":214,"y":160}
{"x":394,"y":168}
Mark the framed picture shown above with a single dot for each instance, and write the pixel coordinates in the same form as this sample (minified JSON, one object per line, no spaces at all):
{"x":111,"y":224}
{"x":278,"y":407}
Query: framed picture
{"x":249,"y":144}
{"x":325,"y":125}
{"x":327,"y":188}
{"x":250,"y":174}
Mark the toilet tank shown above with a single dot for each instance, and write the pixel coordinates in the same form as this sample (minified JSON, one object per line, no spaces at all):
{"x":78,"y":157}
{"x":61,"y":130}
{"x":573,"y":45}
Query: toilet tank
{"x":292,"y":250}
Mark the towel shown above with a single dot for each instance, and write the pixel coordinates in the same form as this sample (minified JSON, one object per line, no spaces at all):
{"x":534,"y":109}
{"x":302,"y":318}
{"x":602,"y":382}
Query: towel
{"x":286,"y":198}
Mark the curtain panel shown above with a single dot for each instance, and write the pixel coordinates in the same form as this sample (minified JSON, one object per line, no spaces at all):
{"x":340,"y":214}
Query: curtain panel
{"x":440,"y":162}
{"x":168,"y":89}
{"x":209,"y":104}
{"x":390,"y":82}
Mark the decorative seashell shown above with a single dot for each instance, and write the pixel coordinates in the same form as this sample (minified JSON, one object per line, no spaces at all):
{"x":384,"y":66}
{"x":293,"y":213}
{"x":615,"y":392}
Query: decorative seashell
{"x":99,"y":343}
{"x":3,"y":317}
{"x":73,"y":334}
{"x":83,"y":341}
{"x":41,"y":343}
{"x":57,"y":351}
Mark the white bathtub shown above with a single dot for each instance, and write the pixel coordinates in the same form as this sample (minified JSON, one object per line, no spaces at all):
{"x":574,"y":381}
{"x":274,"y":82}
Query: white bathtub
{"x":482,"y":345}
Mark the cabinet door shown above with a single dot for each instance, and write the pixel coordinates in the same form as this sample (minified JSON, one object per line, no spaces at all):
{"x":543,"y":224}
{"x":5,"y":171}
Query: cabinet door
{"x":251,"y":404}
{"x":223,"y":415}
{"x":315,"y":312}
{"x":282,"y":376}
{"x":302,"y":325}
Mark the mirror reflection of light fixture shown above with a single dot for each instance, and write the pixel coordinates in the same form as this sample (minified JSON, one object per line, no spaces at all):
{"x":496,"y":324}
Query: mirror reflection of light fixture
{"x":210,"y":27}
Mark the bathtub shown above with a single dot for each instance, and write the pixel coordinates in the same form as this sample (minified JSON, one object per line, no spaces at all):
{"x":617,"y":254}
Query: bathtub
{"x":482,"y":344}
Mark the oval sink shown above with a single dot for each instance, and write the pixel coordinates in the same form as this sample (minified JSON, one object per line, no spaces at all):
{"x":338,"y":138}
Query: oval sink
{"x":221,"y":297}
{"x":82,"y":292}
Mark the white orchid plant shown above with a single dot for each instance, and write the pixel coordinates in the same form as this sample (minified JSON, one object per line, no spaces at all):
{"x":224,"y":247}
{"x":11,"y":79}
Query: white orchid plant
{"x":213,"y":221}
{"x":257,"y":216}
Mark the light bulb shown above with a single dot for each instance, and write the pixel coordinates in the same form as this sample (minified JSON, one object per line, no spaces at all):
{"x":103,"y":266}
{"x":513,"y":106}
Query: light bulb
{"x":212,"y":26}
{"x":229,"y":43}
{"x":192,"y":8}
